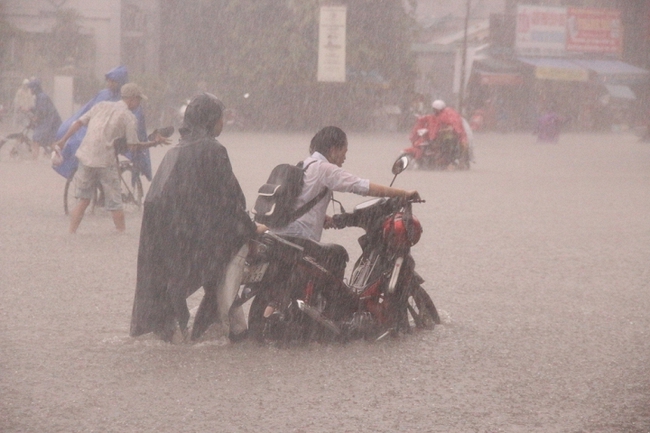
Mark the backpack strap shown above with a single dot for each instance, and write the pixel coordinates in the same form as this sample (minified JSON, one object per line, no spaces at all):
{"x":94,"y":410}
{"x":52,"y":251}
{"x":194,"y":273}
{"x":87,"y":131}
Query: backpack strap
{"x":311,"y":203}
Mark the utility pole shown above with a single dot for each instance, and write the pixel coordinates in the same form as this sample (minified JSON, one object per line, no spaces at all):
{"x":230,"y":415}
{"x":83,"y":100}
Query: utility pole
{"x":463,"y":62}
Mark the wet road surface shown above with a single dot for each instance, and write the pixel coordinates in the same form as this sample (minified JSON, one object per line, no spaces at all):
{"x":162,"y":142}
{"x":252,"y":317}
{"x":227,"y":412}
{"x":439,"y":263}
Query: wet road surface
{"x":538,"y":260}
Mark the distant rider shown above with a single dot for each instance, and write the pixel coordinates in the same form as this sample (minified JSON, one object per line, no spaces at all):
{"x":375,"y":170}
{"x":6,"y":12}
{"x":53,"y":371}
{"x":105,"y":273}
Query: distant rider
{"x":442,"y":122}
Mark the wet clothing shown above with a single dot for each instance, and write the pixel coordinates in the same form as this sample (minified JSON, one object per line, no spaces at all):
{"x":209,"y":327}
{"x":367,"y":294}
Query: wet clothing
{"x":106,"y":122}
{"x":548,"y":127}
{"x":23,"y":103}
{"x":448,"y":117}
{"x":140,"y":158}
{"x":194,"y":222}
{"x":87,"y":178}
{"x":46,"y":117}
{"x":321,"y":174}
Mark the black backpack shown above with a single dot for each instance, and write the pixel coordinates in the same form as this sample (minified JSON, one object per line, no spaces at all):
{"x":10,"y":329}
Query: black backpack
{"x":277,"y":197}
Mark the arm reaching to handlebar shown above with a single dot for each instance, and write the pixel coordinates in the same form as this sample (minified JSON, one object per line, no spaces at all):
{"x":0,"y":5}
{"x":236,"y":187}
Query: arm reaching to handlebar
{"x":377,"y":190}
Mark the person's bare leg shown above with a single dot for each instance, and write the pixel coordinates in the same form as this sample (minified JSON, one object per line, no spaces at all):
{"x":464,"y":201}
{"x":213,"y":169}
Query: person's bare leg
{"x":35,"y":150}
{"x":118,"y":219}
{"x":77,"y":214}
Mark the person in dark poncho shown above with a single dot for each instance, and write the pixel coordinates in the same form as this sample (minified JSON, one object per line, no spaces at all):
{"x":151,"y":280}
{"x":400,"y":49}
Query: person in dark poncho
{"x":195,"y":232}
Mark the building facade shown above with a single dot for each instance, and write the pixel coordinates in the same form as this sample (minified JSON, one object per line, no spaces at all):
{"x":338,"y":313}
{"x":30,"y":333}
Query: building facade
{"x":81,"y":38}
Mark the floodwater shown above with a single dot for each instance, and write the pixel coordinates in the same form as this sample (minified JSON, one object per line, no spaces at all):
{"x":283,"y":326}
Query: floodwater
{"x":538,"y":260}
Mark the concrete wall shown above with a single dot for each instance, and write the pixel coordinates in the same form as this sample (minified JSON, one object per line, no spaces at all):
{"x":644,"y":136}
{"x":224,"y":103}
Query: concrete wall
{"x":99,"y":18}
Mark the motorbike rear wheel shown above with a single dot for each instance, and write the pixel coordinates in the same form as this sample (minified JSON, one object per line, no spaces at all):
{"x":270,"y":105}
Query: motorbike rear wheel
{"x":420,"y":308}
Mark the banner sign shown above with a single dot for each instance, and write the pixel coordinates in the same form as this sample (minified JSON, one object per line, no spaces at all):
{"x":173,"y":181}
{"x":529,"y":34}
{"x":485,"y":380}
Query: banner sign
{"x":561,"y":74}
{"x":554,"y":31}
{"x":541,"y":31}
{"x":594,"y":31}
{"x":331,"y":44}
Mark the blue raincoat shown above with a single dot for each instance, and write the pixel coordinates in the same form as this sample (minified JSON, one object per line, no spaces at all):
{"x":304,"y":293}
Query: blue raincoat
{"x":140,"y":158}
{"x":47,"y":118}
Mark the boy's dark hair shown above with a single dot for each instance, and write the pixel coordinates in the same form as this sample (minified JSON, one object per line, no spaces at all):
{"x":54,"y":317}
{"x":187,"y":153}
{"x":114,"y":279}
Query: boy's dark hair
{"x":327,"y":138}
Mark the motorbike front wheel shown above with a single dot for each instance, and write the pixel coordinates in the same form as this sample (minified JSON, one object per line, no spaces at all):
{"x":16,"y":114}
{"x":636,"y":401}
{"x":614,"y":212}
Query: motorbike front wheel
{"x":421,"y":310}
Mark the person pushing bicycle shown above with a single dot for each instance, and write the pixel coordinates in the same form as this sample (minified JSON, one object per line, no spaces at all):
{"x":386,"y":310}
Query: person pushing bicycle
{"x":106,"y":121}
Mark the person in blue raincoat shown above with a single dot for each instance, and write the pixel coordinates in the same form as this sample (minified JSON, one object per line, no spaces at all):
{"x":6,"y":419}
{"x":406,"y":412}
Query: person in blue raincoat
{"x":45,"y":118}
{"x":115,"y":79}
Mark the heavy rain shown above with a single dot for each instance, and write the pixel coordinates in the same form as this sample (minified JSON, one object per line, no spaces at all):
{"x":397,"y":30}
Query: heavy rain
{"x":537,"y":256}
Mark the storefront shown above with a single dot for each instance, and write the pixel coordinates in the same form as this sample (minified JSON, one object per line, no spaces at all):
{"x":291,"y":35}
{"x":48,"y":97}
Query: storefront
{"x":498,"y":93}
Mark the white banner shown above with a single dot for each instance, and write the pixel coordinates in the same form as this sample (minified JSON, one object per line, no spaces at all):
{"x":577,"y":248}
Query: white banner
{"x":331,"y":44}
{"x":541,"y":30}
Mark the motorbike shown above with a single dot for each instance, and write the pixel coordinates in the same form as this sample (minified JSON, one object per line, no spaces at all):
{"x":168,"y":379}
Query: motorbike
{"x":442,"y":152}
{"x":383,"y":297}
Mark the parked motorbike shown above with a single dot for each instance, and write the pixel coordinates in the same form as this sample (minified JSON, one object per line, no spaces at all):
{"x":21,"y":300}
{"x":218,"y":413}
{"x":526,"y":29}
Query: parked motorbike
{"x":441,"y":153}
{"x":383,"y":297}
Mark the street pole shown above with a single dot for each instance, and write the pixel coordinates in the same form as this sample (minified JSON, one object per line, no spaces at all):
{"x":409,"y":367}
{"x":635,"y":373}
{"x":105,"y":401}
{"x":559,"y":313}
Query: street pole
{"x":463,"y":62}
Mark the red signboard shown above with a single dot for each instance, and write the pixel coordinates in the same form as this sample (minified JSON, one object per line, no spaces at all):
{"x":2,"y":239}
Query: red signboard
{"x":594,"y":30}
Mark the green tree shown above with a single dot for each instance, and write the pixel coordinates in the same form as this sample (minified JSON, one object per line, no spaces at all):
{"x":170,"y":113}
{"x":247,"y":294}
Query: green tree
{"x":268,"y":48}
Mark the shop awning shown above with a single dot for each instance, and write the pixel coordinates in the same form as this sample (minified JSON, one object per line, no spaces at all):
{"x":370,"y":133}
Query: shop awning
{"x":497,"y":79}
{"x":614,"y":71}
{"x":552,"y":68}
{"x":619,"y":91}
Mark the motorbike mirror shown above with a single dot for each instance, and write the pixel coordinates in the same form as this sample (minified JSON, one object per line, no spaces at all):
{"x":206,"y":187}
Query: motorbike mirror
{"x":400,"y":165}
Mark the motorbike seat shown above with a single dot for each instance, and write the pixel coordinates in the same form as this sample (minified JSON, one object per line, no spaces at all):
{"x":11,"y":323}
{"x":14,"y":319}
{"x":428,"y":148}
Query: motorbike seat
{"x":332,"y":256}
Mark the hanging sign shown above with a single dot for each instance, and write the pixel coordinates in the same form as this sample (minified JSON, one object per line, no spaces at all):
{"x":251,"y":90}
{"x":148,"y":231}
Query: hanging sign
{"x":331,"y":44}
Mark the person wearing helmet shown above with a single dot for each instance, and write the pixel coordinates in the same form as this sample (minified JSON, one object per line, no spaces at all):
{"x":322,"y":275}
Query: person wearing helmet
{"x":195,"y":232}
{"x":448,"y":119}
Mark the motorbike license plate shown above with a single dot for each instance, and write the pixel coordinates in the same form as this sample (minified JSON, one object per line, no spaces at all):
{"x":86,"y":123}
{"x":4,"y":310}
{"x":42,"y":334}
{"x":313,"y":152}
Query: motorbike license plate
{"x":255,"y":273}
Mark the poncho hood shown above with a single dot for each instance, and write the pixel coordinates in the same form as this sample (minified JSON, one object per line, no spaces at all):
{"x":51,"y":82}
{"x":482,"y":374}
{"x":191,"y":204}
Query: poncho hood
{"x":201,"y":115}
{"x":119,"y":75}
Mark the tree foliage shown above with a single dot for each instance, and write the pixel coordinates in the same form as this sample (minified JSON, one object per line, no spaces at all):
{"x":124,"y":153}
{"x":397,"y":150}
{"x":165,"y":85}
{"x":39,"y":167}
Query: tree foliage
{"x":269,"y":48}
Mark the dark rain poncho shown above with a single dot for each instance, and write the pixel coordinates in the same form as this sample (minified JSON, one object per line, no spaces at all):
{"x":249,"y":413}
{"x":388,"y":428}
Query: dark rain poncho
{"x":194,"y":221}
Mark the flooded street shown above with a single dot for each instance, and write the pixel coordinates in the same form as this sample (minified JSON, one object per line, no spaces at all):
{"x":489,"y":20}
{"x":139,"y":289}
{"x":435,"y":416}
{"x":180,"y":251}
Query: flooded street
{"x":538,"y":260}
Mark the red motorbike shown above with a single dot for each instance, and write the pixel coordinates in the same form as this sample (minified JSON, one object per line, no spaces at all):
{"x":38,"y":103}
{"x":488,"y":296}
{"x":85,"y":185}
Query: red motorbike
{"x":383,"y":297}
{"x":438,"y":153}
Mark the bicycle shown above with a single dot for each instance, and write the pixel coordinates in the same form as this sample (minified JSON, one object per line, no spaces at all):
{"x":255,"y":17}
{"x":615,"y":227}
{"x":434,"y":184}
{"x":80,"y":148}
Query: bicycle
{"x":132,"y":192}
{"x":20,"y":144}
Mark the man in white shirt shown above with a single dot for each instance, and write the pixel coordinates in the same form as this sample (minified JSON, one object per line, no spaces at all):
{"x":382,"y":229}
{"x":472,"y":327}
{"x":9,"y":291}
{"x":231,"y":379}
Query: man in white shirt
{"x":328,"y":150}
{"x":106,"y":121}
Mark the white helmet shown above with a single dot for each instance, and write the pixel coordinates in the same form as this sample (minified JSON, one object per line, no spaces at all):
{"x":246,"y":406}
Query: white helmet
{"x":438,"y":104}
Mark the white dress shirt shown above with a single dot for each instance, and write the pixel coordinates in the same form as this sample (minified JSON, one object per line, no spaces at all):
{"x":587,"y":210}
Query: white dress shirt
{"x":321,"y":174}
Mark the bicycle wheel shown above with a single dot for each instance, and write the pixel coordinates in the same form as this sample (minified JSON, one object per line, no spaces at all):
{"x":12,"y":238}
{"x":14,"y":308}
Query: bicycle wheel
{"x":68,"y":196}
{"x":16,"y":147}
{"x":131,"y":187}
